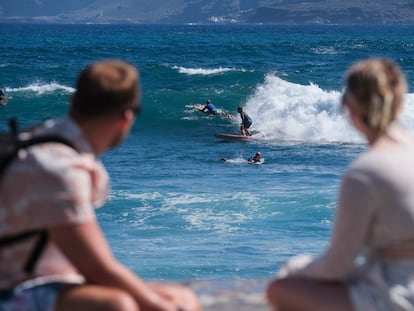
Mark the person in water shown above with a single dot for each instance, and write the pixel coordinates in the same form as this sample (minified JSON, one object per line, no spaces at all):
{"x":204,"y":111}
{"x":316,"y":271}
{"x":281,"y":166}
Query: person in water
{"x":246,"y":122}
{"x":209,"y":107}
{"x":3,"y":98}
{"x":369,"y":262}
{"x":256,"y":158}
{"x":51,"y":191}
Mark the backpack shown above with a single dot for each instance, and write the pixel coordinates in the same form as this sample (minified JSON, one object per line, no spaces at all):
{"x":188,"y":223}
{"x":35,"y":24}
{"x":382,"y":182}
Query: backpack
{"x":10,"y":145}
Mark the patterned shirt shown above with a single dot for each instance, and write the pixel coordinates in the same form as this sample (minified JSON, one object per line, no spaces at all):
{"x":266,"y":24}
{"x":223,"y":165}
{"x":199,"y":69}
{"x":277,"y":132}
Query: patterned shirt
{"x":48,"y":185}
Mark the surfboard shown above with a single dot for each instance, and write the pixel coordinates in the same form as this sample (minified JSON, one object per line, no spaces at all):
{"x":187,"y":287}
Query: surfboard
{"x":199,"y":107}
{"x":232,"y":136}
{"x":220,"y":112}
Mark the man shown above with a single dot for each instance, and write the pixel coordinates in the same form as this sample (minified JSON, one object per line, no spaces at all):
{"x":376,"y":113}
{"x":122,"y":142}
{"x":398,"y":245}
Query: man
{"x":54,"y":188}
{"x":246,"y":122}
{"x":256,"y":158}
{"x":209,"y":107}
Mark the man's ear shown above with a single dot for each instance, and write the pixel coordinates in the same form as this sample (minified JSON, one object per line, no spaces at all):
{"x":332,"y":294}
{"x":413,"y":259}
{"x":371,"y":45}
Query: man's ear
{"x":128,"y":116}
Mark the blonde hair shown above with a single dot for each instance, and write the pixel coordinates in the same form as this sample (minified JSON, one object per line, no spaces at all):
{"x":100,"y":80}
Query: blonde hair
{"x":105,"y":87}
{"x":377,"y":87}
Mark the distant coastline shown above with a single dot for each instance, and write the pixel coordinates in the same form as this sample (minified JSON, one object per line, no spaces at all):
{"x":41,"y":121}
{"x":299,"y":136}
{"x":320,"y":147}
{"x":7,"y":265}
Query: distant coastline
{"x":285,"y":12}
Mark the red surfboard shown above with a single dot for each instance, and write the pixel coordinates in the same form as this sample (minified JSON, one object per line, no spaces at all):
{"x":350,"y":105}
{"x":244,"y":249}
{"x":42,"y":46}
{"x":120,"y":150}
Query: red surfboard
{"x":232,"y":136}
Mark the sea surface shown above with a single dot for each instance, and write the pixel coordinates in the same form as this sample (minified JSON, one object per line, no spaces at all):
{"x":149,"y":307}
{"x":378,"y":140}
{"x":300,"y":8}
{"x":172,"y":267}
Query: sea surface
{"x":176,"y":212}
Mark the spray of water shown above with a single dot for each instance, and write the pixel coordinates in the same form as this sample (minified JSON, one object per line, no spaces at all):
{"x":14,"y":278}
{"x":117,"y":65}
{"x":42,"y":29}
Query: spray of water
{"x":282,"y":110}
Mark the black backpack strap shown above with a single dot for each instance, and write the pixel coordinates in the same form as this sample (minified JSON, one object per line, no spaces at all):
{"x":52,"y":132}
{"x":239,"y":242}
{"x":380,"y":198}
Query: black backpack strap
{"x":36,"y":252}
{"x":42,"y":234}
{"x":51,"y":138}
{"x":38,"y":248}
{"x":22,"y":144}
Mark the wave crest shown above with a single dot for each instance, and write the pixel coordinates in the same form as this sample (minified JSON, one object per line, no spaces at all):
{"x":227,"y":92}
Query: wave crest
{"x":41,"y":88}
{"x":283,"y":110}
{"x":205,"y":72}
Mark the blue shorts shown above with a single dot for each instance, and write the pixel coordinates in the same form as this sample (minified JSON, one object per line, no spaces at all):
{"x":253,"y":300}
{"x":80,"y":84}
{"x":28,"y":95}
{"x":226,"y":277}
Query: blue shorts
{"x":36,"y":298}
{"x":247,"y":123}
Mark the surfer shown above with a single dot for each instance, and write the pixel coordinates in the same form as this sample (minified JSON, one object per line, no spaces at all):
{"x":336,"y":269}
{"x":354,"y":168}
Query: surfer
{"x":3,"y":98}
{"x":209,"y":107}
{"x":246,"y":122}
{"x":256,"y":158}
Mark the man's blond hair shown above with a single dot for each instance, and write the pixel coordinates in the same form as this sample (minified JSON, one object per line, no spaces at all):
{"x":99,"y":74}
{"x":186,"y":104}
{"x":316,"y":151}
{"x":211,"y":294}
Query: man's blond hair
{"x":104,"y":88}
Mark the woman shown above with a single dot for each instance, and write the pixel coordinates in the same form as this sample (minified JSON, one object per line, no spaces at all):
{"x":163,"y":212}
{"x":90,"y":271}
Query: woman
{"x":369,"y":264}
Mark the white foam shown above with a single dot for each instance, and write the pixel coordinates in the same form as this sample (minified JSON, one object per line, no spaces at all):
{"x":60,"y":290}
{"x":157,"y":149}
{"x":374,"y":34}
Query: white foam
{"x":282,"y":110}
{"x":325,"y":50}
{"x":205,"y":72}
{"x":41,"y":88}
{"x":203,"y":211}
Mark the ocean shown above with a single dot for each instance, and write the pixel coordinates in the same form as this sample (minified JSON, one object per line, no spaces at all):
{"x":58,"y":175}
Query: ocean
{"x":176,"y":212}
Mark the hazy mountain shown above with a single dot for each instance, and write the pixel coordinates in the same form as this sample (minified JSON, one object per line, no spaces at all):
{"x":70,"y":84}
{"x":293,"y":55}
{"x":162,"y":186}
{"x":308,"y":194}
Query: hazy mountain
{"x":209,"y":11}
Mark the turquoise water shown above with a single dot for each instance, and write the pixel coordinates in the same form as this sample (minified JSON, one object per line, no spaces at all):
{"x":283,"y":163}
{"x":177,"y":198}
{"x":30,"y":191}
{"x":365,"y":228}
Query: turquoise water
{"x":175,"y":210}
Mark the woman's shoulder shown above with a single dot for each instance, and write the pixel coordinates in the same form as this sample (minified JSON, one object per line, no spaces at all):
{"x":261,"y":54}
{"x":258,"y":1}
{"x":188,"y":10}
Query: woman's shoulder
{"x":386,"y":164}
